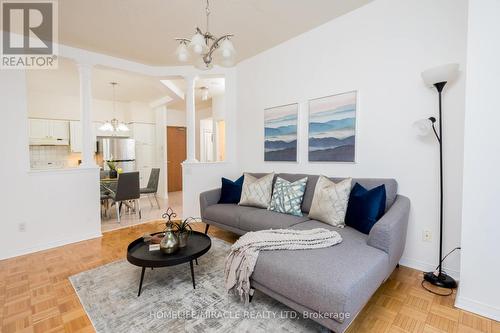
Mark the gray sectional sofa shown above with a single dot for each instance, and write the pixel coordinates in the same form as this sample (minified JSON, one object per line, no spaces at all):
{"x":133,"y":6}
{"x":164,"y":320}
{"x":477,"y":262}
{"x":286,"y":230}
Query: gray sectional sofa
{"x":331,"y":284}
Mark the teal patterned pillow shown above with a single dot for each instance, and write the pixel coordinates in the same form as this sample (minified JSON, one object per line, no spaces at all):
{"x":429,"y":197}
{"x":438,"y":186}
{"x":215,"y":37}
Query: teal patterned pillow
{"x":287,"y":196}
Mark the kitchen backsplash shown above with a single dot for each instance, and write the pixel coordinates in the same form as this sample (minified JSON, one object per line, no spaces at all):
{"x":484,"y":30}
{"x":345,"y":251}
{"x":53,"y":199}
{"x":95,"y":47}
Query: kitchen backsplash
{"x":53,"y":157}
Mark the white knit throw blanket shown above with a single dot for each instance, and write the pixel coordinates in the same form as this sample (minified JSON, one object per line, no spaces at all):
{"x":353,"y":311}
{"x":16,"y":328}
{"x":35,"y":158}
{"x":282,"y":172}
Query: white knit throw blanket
{"x":243,"y":256}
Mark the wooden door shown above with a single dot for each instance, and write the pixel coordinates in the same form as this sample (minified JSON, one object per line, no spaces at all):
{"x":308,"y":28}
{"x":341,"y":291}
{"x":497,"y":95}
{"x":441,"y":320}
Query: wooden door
{"x":176,"y":154}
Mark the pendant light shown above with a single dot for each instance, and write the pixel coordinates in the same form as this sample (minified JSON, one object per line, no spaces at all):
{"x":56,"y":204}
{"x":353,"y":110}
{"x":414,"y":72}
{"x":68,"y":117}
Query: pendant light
{"x":114,"y":125}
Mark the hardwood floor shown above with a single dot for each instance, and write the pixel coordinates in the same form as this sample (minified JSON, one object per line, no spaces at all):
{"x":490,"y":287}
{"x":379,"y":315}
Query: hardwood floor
{"x":36,"y":295}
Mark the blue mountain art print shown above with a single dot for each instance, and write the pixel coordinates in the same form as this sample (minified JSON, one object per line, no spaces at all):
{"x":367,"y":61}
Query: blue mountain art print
{"x":280,"y":133}
{"x":332,"y":128}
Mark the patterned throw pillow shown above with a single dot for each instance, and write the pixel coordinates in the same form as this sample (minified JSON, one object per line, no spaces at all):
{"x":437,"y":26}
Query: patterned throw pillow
{"x":330,"y":200}
{"x":287,"y":196}
{"x":257,"y":191}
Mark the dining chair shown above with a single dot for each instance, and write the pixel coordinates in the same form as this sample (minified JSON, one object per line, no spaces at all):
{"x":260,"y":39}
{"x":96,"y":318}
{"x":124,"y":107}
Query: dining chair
{"x":127,"y":189}
{"x":152,"y":188}
{"x":104,"y":200}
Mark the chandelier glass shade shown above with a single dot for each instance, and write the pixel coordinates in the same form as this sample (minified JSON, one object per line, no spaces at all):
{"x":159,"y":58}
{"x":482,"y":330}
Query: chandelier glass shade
{"x":114,"y":125}
{"x":206,"y":48}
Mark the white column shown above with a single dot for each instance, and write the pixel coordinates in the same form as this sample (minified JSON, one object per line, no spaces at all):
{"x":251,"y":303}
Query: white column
{"x":85,"y":71}
{"x":190,"y":119}
{"x":161,"y":148}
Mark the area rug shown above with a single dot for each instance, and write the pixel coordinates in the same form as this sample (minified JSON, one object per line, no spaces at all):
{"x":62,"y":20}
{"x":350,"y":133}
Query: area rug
{"x":169,"y":303}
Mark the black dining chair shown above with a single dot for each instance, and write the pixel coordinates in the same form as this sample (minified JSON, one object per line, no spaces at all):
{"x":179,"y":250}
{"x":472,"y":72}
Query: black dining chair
{"x":104,"y":200}
{"x":127,"y":189}
{"x":152,"y":188}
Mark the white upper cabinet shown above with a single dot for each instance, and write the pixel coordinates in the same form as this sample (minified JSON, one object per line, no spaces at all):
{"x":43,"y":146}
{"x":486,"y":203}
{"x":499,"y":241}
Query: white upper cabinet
{"x":60,"y":129}
{"x":39,"y":129}
{"x":144,"y":133}
{"x":145,"y":149}
{"x":48,"y":132}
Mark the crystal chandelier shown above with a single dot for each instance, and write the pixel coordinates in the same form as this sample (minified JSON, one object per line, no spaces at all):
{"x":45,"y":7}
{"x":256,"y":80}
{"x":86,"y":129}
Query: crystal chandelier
{"x":114,"y":125}
{"x":206,"y":46}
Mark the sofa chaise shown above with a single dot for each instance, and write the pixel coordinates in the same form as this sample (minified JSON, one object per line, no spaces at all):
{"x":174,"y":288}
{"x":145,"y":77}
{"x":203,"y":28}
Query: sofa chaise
{"x":330,"y":285}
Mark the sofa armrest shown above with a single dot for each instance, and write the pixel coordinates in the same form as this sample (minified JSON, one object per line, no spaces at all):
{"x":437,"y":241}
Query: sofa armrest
{"x":208,"y":198}
{"x":389,"y":233}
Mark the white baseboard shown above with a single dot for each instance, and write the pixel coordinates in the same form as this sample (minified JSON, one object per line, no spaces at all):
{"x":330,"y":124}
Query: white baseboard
{"x":426,"y":267}
{"x":477,"y":307}
{"x":49,"y":245}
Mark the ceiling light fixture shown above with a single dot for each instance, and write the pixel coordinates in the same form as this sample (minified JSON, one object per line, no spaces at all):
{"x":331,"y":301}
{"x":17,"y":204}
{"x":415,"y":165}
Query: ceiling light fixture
{"x":114,"y":125}
{"x":206,"y":46}
{"x":204,"y":93}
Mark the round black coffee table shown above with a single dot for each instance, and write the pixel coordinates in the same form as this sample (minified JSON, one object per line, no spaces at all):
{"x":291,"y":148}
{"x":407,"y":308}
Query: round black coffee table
{"x":138,"y":254}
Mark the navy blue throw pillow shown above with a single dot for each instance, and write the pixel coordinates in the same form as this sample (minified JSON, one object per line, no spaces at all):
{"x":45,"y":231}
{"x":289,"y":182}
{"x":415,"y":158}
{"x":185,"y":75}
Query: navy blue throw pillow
{"x":231,"y":191}
{"x":365,"y":207}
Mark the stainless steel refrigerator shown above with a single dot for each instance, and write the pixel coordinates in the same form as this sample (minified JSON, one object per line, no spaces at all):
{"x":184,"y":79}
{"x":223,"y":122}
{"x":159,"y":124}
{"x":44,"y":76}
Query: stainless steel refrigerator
{"x":119,"y":150}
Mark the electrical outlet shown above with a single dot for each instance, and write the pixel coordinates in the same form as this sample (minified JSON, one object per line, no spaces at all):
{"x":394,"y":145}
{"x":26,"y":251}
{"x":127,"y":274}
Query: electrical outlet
{"x":21,"y":227}
{"x":426,"y":235}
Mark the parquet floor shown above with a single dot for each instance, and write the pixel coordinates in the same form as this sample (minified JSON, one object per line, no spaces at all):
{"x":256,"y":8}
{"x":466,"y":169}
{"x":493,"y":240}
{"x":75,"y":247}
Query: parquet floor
{"x":36,"y":295}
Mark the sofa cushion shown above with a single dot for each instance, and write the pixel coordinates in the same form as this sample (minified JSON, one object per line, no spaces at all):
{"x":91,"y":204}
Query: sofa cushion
{"x":230,"y":191}
{"x":365,"y":207}
{"x":330,"y":199}
{"x":391,"y":187}
{"x":338,"y":279}
{"x":261,"y":219}
{"x":257,"y":191}
{"x":228,"y":214}
{"x":287,"y":196}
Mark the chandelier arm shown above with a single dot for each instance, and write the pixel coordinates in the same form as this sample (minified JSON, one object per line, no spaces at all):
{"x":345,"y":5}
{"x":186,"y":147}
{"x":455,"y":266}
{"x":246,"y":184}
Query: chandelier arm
{"x":215,"y":45}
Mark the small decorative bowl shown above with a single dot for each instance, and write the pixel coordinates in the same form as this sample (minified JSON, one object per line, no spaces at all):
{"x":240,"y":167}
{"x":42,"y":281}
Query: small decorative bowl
{"x":156,"y":239}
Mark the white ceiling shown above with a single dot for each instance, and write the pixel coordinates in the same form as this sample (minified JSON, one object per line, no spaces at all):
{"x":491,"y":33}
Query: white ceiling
{"x":131,"y":87}
{"x":144,"y":31}
{"x":65,"y":81}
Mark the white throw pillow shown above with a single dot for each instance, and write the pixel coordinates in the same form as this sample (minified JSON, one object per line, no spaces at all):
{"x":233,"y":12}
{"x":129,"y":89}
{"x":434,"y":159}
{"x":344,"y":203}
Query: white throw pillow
{"x":330,"y":200}
{"x":257,"y":191}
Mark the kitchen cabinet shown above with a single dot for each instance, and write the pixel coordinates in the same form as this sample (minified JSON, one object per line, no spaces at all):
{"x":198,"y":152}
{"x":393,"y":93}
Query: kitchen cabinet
{"x":59,"y":129}
{"x":144,"y":133}
{"x":39,"y":128}
{"x":48,"y":132}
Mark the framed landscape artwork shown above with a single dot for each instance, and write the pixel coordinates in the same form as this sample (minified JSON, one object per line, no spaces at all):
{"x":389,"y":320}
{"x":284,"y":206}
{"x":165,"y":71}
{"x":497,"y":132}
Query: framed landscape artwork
{"x":332,"y":128}
{"x":280,"y":131}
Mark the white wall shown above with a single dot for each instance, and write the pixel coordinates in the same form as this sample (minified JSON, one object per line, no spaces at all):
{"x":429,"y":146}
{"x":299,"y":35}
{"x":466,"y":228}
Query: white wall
{"x":218,"y":107}
{"x":479,"y":291}
{"x":176,"y":117}
{"x":200,"y":114}
{"x":379,"y":50}
{"x":57,"y":207}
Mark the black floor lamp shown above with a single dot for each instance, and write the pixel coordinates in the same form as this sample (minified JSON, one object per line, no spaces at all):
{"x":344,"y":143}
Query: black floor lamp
{"x":438,"y":77}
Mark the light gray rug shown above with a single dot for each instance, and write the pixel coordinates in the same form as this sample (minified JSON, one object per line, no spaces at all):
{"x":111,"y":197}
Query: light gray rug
{"x":168,"y":302}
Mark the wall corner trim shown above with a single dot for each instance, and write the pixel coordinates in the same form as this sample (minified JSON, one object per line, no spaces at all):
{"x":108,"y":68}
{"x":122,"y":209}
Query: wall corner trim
{"x":49,"y":245}
{"x":479,"y":308}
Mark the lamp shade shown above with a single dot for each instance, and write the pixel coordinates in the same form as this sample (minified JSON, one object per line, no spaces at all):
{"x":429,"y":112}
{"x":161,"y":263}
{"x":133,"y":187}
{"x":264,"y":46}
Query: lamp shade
{"x":122,"y":128}
{"x":198,"y":43}
{"x":227,"y":49}
{"x":106,"y":127}
{"x":423,"y":126}
{"x":182,"y":52}
{"x":444,"y":73}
